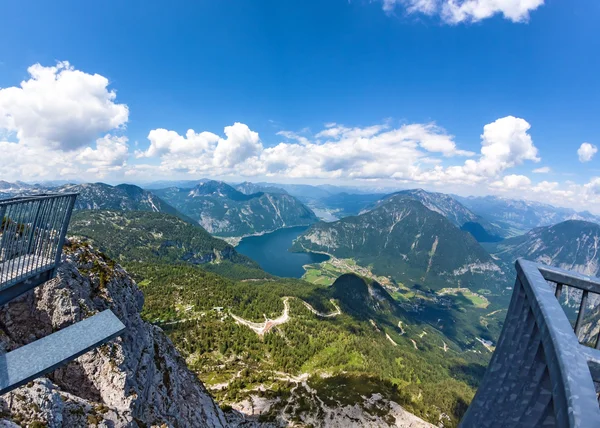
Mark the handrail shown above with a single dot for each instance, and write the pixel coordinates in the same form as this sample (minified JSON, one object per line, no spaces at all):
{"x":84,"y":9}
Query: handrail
{"x":539,"y":375}
{"x":32,"y":233}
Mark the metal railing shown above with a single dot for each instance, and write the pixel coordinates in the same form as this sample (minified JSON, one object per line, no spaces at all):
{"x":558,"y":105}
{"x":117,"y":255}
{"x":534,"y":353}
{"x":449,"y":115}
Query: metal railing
{"x":540,"y":375}
{"x":32,"y":233}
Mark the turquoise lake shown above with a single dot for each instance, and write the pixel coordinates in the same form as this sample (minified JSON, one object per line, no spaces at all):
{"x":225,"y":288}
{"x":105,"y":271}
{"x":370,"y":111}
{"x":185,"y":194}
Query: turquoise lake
{"x":270,"y":251}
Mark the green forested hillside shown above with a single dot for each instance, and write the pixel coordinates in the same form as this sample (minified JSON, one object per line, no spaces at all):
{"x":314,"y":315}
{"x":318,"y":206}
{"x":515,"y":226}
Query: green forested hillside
{"x":135,"y":236}
{"x":363,"y":351}
{"x":372,"y":346}
{"x":346,"y":341}
{"x":436,"y":271}
{"x":403,"y":239}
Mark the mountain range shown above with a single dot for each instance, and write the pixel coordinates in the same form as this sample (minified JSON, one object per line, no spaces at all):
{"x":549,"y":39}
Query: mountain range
{"x":457,"y":213}
{"x":519,"y":216}
{"x":225,"y":211}
{"x":288,"y":348}
{"x":126,"y":197}
{"x":402,"y":238}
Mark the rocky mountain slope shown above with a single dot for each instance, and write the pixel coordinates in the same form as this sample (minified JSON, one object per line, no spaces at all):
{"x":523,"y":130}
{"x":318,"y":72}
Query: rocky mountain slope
{"x":126,"y":197}
{"x":572,"y":245}
{"x":139,"y":379}
{"x":225,"y":211}
{"x":518,"y":217}
{"x":457,"y":213}
{"x":401,"y":238}
{"x":248,"y":188}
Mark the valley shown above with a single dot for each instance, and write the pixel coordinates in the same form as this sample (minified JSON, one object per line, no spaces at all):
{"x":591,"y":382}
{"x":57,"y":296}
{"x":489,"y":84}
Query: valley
{"x":398,"y":305}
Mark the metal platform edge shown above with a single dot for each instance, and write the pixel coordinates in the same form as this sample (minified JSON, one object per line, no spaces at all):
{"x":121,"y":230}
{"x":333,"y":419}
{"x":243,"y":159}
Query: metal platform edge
{"x":44,"y":355}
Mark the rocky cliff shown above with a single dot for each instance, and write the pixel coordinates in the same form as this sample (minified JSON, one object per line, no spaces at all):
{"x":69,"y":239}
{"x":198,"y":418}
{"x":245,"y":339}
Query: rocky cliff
{"x":139,"y":379}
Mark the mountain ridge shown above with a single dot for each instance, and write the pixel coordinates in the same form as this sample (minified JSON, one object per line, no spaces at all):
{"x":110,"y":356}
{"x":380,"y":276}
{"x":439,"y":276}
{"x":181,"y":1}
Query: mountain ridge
{"x":224,"y":211}
{"x":401,"y":231}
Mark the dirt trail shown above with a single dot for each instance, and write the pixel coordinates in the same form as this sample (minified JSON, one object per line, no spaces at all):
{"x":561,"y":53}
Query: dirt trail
{"x":264,"y":327}
{"x":390,"y":339}
{"x":335,"y":313}
{"x":400,"y":327}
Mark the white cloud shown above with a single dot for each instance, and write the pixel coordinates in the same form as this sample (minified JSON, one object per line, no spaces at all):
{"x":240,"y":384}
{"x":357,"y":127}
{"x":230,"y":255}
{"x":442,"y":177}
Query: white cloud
{"x":459,"y":11}
{"x":60,"y":107}
{"x":586,"y":152}
{"x":111,"y":153}
{"x":293,"y":136}
{"x":542,"y":170}
{"x":512,"y":181}
{"x":241,"y":143}
{"x":505,"y":144}
{"x":370,"y":152}
{"x":163,"y":142}
{"x":593,"y":186}
{"x":56,"y":117}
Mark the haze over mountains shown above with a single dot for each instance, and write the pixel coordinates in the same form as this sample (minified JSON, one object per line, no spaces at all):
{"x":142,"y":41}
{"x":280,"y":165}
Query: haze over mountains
{"x":517,"y":216}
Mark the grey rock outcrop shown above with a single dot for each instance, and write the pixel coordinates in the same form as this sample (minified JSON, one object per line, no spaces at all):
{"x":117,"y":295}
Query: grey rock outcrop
{"x":139,"y":379}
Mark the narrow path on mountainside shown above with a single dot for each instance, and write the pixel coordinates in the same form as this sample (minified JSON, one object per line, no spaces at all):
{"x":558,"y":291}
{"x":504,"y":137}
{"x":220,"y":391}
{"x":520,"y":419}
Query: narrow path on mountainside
{"x":264,"y":327}
{"x":335,"y":313}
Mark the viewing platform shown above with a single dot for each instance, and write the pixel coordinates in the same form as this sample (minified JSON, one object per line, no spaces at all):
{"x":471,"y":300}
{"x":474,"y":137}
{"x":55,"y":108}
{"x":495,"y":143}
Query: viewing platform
{"x":540,"y":375}
{"x":32,"y":235}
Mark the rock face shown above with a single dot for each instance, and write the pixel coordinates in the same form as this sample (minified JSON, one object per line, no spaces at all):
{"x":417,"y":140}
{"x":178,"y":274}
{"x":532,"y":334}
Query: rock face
{"x":139,"y":379}
{"x":457,"y":213}
{"x":571,"y":245}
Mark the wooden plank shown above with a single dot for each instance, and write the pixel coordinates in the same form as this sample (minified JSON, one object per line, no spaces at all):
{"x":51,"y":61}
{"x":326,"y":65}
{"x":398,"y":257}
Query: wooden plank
{"x":48,"y":353}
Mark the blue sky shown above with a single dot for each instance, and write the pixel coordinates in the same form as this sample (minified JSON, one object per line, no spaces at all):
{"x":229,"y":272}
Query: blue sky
{"x":446,"y":68}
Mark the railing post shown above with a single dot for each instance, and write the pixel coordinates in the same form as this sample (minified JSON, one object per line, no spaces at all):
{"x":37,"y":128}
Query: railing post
{"x":63,"y":231}
{"x":581,"y":313}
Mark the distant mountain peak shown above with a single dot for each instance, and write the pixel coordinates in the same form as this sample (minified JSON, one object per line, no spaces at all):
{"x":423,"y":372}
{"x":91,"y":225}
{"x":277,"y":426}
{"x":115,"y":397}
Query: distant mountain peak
{"x":223,"y":210}
{"x":571,"y":244}
{"x":220,"y":189}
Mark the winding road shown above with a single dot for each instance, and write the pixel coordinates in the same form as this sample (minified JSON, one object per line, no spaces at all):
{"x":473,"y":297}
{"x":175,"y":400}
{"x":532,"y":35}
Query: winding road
{"x":335,"y":313}
{"x":265,"y":327}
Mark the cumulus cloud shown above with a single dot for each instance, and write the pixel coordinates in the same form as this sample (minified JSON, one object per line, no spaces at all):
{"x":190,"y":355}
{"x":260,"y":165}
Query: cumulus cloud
{"x":505,"y":143}
{"x":586,"y":152}
{"x":60,"y":107}
{"x":376,"y":151}
{"x":241,"y":144}
{"x":163,"y":141}
{"x":459,"y":11}
{"x":110,"y":153}
{"x":56,"y":117}
{"x":512,"y":181}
